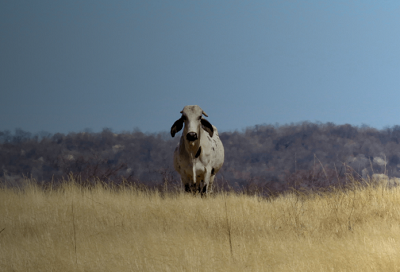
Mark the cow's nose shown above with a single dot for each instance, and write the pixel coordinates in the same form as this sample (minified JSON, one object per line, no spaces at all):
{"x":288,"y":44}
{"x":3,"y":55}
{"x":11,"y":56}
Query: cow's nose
{"x":191,"y":136}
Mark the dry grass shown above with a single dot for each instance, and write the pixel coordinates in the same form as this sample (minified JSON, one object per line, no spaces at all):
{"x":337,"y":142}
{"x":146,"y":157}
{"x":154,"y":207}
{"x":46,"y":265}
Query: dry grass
{"x":75,"y":229}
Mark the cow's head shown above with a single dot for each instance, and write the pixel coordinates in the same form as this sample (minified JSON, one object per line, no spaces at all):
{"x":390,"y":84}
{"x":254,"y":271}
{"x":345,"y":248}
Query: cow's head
{"x":192,"y":116}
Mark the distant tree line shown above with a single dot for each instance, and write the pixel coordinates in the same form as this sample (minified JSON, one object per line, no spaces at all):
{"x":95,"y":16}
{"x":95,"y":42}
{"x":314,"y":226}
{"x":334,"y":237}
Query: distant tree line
{"x":274,"y":158}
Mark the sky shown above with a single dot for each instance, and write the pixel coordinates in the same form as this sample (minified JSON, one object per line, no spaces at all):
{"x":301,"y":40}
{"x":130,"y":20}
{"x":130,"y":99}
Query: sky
{"x":71,"y":66}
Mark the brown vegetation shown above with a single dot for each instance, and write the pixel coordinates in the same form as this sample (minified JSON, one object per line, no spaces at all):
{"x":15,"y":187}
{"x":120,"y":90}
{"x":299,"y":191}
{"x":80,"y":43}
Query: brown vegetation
{"x":76,"y":228}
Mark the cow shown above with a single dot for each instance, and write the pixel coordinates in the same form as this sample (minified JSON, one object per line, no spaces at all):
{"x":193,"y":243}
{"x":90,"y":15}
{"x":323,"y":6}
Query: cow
{"x":199,"y":154}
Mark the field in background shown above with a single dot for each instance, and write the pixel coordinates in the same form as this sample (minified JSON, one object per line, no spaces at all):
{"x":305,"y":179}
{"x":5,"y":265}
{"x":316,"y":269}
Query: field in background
{"x":71,"y":228}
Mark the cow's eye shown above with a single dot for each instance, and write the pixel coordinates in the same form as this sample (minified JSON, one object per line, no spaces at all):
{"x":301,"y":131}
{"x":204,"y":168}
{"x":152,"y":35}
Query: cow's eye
{"x":200,"y":117}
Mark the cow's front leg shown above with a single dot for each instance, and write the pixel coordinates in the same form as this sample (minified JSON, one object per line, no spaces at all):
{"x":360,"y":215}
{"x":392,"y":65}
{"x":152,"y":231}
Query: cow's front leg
{"x":207,"y":181}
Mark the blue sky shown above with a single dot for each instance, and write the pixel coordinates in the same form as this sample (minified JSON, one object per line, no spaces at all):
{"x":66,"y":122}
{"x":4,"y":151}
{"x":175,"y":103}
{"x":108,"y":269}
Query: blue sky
{"x":66,"y":66}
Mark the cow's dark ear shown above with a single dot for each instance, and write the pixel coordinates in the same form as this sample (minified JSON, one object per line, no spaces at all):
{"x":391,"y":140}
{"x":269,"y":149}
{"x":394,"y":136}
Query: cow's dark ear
{"x":207,"y":127}
{"x":177,"y":126}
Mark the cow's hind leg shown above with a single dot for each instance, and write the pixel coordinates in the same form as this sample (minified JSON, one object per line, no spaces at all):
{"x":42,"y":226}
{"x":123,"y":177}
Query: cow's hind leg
{"x":210,"y":186}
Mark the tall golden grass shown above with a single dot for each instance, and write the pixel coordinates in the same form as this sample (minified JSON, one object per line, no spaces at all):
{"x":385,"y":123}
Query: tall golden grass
{"x":101,"y":229}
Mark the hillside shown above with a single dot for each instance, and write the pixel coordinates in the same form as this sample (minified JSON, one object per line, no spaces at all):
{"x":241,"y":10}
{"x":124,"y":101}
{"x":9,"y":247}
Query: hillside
{"x":275,"y":158}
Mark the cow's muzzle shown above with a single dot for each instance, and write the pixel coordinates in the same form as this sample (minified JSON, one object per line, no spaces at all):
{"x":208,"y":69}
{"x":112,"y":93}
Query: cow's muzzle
{"x":191,"y":136}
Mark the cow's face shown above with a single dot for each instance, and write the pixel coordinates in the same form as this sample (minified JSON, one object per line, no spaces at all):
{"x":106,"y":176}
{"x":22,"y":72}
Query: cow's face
{"x":192,"y":117}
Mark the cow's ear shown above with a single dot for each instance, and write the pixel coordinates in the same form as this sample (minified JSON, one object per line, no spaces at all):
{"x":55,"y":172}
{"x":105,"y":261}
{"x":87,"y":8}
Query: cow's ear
{"x":207,"y":127}
{"x":177,"y":126}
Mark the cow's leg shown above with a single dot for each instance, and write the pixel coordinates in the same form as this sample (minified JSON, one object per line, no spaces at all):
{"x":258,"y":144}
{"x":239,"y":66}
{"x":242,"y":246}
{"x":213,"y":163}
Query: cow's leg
{"x":187,"y":184}
{"x":207,"y":180}
{"x":211,"y":185}
{"x":187,"y":188}
{"x":203,"y":188}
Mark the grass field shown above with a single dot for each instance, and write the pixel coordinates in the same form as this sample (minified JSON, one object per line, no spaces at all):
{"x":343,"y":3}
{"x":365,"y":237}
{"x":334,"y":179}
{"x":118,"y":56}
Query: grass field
{"x":76,"y":229}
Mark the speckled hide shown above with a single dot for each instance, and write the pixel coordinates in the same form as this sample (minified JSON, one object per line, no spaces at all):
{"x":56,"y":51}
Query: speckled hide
{"x":200,"y":153}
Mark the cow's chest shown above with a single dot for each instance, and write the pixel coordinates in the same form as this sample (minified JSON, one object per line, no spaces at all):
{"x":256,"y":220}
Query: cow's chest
{"x":199,"y":168}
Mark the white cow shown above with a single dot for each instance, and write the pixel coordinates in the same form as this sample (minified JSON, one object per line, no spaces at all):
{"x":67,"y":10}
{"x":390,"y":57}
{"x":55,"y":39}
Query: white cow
{"x":200,"y":153}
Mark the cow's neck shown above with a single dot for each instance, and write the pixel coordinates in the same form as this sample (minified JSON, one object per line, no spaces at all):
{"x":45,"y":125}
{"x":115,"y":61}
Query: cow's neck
{"x":193,"y":147}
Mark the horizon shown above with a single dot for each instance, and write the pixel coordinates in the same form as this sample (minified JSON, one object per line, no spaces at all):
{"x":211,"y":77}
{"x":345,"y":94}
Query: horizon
{"x":43,"y":133}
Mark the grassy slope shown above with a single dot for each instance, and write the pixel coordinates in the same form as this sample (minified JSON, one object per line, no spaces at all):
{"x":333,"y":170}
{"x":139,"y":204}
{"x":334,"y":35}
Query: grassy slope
{"x":73,"y":229}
